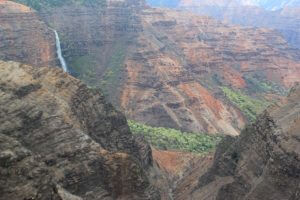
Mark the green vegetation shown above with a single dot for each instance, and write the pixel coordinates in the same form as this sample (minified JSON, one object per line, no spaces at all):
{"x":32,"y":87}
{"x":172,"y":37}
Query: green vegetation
{"x":167,"y":138}
{"x":84,"y":68}
{"x":111,"y":79}
{"x":249,"y":106}
{"x":261,"y":85}
{"x":38,"y":4}
{"x":257,"y":85}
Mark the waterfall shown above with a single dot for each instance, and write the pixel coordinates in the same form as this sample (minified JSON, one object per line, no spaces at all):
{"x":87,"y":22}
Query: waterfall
{"x":59,"y":54}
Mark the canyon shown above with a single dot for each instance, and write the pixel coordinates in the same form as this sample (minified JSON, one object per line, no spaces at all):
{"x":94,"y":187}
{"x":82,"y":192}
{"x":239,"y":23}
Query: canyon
{"x":172,"y":68}
{"x":189,"y":62}
{"x":60,"y":138}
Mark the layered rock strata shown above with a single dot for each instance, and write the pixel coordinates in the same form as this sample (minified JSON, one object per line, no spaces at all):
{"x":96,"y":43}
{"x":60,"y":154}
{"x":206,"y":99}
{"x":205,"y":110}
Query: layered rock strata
{"x":24,"y":36}
{"x":180,"y":62}
{"x":170,"y":68}
{"x":61,"y":140}
{"x":262,"y":163}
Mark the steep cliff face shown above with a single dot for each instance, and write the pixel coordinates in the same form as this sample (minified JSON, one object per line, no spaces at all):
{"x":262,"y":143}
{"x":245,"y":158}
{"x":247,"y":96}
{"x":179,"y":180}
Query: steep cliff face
{"x":165,"y":68}
{"x":95,"y":40}
{"x":262,"y":163}
{"x":24,"y":36}
{"x":174,"y":69}
{"x":61,"y":140}
{"x":180,"y":70}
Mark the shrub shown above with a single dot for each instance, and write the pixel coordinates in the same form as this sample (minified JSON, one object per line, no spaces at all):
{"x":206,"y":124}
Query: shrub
{"x":249,"y":106}
{"x":167,"y":138}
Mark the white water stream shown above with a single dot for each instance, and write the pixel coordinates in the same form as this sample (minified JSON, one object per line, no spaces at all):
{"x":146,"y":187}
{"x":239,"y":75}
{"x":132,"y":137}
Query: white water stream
{"x":59,"y":54}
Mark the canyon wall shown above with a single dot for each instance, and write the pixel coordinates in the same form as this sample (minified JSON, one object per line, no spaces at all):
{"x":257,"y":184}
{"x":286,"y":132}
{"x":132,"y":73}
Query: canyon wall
{"x":158,"y":72}
{"x":24,"y":36}
{"x":61,"y":140}
{"x":172,"y":68}
{"x":262,"y":163}
{"x":182,"y":64}
{"x":95,"y":40}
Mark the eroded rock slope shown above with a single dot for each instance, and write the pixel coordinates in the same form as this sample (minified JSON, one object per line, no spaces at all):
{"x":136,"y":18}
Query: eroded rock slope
{"x":181,"y":65}
{"x":262,"y":163}
{"x":24,"y":36}
{"x":61,"y":140}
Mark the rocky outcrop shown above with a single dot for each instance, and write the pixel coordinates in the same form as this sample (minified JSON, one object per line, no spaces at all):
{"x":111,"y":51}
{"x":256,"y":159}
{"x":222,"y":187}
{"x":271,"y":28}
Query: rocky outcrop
{"x":61,"y":140}
{"x":24,"y":36}
{"x":262,"y":163}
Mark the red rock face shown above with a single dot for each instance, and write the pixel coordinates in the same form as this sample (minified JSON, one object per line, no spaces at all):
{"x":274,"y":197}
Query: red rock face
{"x":24,"y":37}
{"x":170,"y":71}
{"x":182,"y":171}
{"x":174,"y":162}
{"x":165,"y":68}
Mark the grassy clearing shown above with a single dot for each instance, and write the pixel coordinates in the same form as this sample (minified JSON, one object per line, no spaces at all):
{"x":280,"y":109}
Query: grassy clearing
{"x":171,"y":139}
